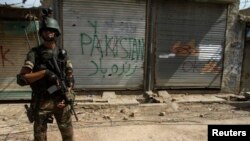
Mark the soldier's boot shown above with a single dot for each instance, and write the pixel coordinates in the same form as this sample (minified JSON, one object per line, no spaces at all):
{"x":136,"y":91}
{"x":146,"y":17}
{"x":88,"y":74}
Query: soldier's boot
{"x":67,"y":133}
{"x":40,"y":132}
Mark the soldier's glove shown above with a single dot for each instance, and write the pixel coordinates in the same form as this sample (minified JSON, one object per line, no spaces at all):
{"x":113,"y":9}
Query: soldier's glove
{"x":51,"y":76}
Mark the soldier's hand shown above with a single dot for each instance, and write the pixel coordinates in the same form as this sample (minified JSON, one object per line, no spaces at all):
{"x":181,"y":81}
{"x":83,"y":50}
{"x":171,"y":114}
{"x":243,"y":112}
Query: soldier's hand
{"x":61,"y":104}
{"x":51,"y":76}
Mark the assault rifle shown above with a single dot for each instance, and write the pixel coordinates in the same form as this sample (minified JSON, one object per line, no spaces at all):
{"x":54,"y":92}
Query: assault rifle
{"x":62,"y":85}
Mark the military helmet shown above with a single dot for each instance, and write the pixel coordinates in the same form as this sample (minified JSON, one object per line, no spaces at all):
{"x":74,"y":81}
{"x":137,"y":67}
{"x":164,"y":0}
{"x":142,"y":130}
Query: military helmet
{"x":50,"y":23}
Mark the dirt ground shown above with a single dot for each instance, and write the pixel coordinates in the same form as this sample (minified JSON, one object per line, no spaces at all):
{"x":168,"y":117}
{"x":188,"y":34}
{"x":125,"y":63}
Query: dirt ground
{"x":176,"y":121}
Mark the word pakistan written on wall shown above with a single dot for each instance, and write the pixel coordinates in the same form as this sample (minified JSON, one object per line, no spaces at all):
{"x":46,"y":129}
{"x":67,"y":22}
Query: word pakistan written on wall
{"x":126,"y":49}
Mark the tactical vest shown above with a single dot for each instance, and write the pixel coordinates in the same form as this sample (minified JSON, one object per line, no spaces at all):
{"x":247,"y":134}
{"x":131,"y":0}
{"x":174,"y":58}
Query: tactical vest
{"x":43,"y":58}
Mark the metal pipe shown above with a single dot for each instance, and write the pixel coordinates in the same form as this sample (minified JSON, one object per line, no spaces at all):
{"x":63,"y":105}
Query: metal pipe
{"x":149,"y":50}
{"x":27,"y":38}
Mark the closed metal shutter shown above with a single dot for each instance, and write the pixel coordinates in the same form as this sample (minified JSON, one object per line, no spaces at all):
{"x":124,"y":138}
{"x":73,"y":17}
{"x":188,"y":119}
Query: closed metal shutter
{"x":13,"y":49}
{"x":105,"y":41}
{"x":189,"y":44}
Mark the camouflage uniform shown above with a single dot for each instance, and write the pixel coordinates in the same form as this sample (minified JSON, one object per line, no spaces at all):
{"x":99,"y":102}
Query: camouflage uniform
{"x":45,"y":104}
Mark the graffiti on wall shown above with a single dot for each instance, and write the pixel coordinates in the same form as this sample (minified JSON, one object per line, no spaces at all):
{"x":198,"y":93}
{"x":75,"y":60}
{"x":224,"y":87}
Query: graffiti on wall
{"x":125,"y":48}
{"x":125,"y":70}
{"x":189,"y":49}
{"x":196,"y":66}
{"x":3,"y":53}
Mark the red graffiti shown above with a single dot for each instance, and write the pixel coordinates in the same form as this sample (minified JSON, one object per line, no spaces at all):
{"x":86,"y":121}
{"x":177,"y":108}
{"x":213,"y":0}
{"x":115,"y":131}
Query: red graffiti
{"x":187,"y":49}
{"x":3,"y":56}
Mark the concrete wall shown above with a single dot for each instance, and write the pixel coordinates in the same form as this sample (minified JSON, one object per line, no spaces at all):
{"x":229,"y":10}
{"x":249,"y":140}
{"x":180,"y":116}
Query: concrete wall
{"x":233,"y":54}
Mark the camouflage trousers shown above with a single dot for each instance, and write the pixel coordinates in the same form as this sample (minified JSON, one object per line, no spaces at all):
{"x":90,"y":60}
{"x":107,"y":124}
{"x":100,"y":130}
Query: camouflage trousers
{"x":63,"y":120}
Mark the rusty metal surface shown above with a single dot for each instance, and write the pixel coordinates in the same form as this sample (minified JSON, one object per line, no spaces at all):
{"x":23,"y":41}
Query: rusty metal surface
{"x":105,"y":40}
{"x":190,"y":43}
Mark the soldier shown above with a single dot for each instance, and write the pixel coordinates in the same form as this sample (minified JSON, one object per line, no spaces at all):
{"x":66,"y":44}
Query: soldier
{"x":41,"y":73}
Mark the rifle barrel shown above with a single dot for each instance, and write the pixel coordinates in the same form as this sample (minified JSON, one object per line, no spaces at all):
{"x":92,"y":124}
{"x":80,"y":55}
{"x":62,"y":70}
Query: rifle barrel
{"x":63,"y":85}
